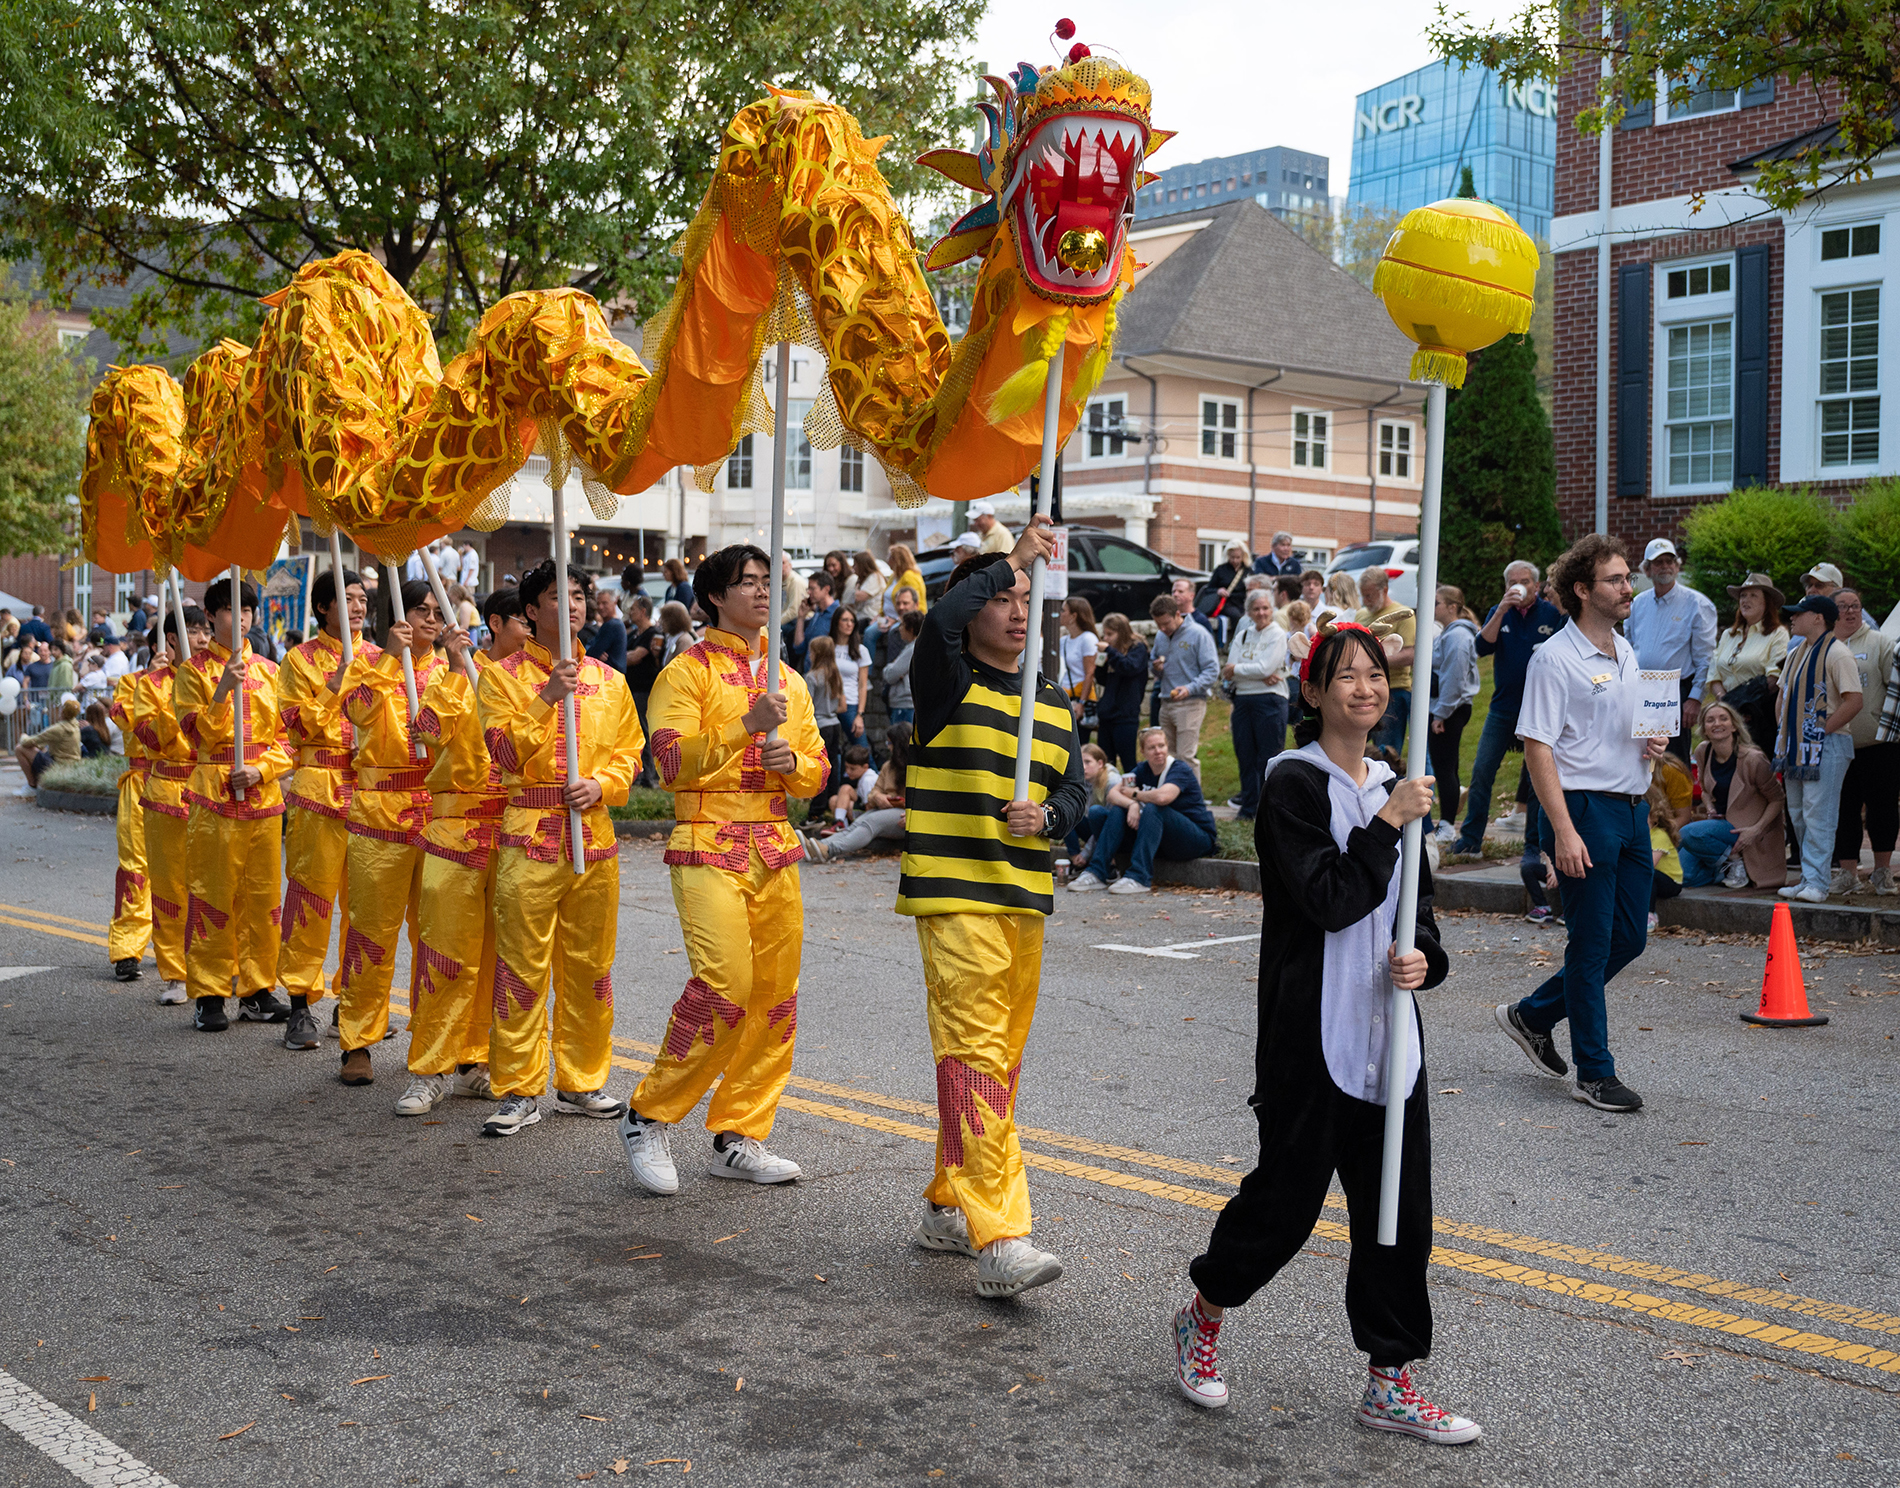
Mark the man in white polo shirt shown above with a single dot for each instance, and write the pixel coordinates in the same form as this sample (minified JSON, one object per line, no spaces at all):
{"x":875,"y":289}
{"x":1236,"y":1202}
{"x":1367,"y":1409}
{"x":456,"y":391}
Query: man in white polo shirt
{"x":1590,"y":775}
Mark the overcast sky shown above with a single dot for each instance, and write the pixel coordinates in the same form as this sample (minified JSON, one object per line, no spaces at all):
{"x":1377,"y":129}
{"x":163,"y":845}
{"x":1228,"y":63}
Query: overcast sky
{"x":1232,"y":77}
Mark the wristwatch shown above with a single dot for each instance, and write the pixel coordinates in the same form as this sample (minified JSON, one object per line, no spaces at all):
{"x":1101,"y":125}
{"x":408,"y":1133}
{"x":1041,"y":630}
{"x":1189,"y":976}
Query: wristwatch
{"x":1048,"y":822}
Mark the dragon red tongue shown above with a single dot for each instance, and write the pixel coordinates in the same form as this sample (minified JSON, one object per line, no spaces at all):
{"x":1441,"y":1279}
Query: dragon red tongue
{"x":1086,"y":193}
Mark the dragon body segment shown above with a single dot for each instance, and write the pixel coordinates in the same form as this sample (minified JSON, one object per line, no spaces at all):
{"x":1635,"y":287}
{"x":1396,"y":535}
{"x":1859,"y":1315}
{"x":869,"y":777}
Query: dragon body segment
{"x":342,"y":411}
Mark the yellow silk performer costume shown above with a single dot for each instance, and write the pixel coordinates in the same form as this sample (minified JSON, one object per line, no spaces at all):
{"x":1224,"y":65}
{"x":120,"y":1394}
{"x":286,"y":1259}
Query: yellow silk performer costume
{"x":131,"y":928}
{"x":233,"y":849}
{"x":163,"y":803}
{"x":449,"y":1010}
{"x":550,"y":921}
{"x":318,"y":798}
{"x":389,"y":807}
{"x":731,"y":857}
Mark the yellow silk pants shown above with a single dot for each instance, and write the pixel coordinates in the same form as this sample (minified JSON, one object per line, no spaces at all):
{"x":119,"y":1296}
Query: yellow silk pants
{"x":316,"y":877}
{"x":981,"y":972}
{"x":385,"y":885}
{"x":449,"y":1007}
{"x":167,"y":886}
{"x":234,"y":865}
{"x":744,"y":934}
{"x":553,"y":924}
{"x":131,"y":928}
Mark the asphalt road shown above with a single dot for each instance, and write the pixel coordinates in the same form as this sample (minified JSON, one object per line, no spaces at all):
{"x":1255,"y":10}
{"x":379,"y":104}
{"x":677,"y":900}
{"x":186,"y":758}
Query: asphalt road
{"x":236,"y":1269}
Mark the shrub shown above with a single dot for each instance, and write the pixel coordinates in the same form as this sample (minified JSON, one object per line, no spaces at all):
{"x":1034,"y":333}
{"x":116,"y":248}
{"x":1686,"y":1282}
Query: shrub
{"x":1782,"y":533}
{"x":1869,"y":546}
{"x":98,"y":776}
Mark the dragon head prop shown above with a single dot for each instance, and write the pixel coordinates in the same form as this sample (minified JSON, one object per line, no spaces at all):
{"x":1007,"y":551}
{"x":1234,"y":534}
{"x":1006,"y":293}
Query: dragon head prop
{"x":1061,"y":163}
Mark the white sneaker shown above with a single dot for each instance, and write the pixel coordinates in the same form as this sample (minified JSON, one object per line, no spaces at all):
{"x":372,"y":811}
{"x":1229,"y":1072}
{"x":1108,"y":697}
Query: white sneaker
{"x":424,"y":1094}
{"x":1512,"y":823}
{"x":1006,"y":1267}
{"x":514,"y":1113}
{"x":172,"y":994}
{"x":1654,"y":921}
{"x":746,"y":1158}
{"x":1392,"y":1403}
{"x":1434,"y":852}
{"x":1788,"y":891}
{"x":944,"y":1229}
{"x":1127,"y":885}
{"x":1735,"y":876}
{"x":596,"y":1103}
{"x":1197,"y":1371}
{"x":1446,"y":832}
{"x":1844,"y":881}
{"x":649,"y":1154}
{"x":1086,"y":883}
{"x":1881,"y":882}
{"x":474,"y":1082}
{"x":1808,"y":894}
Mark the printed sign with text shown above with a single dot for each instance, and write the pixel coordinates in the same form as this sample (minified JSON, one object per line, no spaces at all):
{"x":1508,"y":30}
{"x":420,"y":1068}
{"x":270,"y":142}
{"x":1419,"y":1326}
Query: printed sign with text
{"x":1658,"y":705}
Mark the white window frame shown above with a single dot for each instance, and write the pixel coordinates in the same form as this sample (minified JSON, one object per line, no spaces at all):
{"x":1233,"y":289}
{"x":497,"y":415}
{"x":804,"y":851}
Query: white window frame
{"x":740,"y":461}
{"x":1301,"y":439}
{"x":1091,"y":434}
{"x":1807,"y":277}
{"x":1389,"y":455}
{"x":1667,"y":313}
{"x":82,"y":589}
{"x":1664,"y":115}
{"x":1220,"y":539}
{"x":850,"y":468}
{"x":1852,"y":469}
{"x":794,"y":448}
{"x":121,"y":594}
{"x":1227,"y":422}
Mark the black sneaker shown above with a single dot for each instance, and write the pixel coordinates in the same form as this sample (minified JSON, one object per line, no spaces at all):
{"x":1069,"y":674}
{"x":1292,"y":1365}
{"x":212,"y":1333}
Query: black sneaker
{"x":263,"y":1007}
{"x":301,"y":1031}
{"x":209,"y":1018}
{"x":1542,"y":1051}
{"x":126,"y":970}
{"x":1609,"y":1094}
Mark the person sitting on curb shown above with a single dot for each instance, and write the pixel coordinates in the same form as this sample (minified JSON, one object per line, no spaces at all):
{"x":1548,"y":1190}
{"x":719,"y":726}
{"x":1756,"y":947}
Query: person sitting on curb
{"x":56,"y":744}
{"x":883,"y":816}
{"x":1162,"y":810}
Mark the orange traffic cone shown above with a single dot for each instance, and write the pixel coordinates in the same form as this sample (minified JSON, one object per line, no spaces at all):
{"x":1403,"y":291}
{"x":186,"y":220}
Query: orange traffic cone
{"x":1784,"y":998}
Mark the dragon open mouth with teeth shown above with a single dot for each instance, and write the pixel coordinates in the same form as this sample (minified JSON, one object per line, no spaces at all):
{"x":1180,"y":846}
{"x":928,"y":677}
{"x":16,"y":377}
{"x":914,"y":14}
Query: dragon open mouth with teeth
{"x":1062,"y":162}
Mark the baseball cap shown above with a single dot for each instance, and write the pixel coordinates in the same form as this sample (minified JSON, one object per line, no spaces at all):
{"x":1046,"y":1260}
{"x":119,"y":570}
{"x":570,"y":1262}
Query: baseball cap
{"x":967,"y":540}
{"x":1827,"y":573}
{"x":1658,"y":546}
{"x":1816,"y":604}
{"x":981,"y":509}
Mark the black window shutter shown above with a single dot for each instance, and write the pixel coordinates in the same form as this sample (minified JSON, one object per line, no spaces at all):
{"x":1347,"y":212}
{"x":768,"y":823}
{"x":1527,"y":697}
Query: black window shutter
{"x":1632,"y":380}
{"x":1762,"y":90}
{"x":1751,"y":365}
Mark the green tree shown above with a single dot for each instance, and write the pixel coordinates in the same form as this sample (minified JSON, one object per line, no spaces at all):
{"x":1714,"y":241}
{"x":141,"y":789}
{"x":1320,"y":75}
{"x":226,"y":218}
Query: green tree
{"x":1759,"y":529}
{"x":1363,"y":232}
{"x":1849,"y":49}
{"x":201,"y":150}
{"x":42,"y":427}
{"x":1500,"y":474}
{"x":1870,"y":546}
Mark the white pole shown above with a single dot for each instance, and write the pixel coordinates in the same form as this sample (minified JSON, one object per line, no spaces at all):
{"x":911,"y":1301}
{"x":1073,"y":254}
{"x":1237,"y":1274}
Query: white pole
{"x":448,"y":614}
{"x":781,"y":445}
{"x":1399,"y":1016}
{"x":567,"y":654}
{"x":1032,"y":644}
{"x":177,"y":591}
{"x":341,"y":603}
{"x":237,"y":650}
{"x":408,"y":662}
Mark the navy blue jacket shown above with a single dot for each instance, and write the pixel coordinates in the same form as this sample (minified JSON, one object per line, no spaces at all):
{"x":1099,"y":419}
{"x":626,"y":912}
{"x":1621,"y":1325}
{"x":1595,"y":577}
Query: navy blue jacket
{"x":1519,"y":634}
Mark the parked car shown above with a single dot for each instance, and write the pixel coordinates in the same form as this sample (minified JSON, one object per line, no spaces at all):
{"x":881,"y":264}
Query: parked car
{"x":1398,"y":556}
{"x":1110,"y":572}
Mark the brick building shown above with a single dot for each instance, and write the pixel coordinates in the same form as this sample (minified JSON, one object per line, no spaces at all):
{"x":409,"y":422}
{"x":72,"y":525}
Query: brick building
{"x":1703,"y":341}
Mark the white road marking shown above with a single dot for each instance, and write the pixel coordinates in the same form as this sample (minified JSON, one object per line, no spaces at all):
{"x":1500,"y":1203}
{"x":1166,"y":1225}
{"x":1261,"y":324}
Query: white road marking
{"x":1178,"y":951}
{"x":8,"y":973}
{"x":70,"y":1442}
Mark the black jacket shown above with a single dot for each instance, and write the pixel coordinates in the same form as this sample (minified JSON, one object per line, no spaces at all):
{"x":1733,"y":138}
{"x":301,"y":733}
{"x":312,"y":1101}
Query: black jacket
{"x":1120,"y":682}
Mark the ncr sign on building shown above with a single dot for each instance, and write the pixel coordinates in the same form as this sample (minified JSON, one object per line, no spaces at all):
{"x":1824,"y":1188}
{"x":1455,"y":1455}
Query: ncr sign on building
{"x":1410,"y":137}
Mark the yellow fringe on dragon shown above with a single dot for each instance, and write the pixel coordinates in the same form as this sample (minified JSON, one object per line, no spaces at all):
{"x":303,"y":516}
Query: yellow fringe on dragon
{"x":342,"y":411}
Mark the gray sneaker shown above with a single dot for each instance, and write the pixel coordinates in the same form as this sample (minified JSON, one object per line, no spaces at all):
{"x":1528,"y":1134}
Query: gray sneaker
{"x":596,"y":1103}
{"x":1844,"y":881}
{"x":264,"y":1006}
{"x":1735,"y":876}
{"x":1006,"y":1267}
{"x":1881,"y":881}
{"x":301,"y":1031}
{"x":944,"y":1229}
{"x":514,"y":1113}
{"x":1543,"y":1053}
{"x":172,"y":994}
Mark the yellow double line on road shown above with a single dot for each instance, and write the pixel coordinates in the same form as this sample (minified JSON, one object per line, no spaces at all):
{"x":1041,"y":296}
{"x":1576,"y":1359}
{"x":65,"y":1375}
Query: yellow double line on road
{"x":1758,"y":1330}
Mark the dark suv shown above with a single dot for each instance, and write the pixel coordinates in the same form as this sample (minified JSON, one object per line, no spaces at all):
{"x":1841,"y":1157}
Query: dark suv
{"x":1111,"y":573}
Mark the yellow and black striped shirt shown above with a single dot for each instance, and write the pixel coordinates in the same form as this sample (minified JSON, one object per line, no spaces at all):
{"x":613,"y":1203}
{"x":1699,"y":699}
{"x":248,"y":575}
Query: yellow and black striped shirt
{"x":959,"y":856}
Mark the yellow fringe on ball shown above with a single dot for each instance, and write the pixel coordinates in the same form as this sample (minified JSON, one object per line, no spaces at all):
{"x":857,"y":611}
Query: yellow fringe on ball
{"x":1461,"y":296}
{"x":1505,"y":236}
{"x":1023,"y":389}
{"x":1438,"y":364}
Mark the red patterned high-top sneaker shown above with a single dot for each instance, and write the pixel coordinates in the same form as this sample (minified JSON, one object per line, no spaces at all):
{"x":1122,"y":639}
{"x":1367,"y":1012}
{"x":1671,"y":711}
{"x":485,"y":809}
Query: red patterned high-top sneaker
{"x":1393,"y":1404}
{"x":1196,"y":1369}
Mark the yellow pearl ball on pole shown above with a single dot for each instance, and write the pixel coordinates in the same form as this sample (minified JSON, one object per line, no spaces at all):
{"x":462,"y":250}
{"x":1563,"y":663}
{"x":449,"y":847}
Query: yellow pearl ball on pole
{"x":1455,"y":277}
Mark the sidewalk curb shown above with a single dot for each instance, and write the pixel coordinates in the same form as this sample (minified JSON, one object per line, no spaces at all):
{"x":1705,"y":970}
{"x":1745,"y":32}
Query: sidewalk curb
{"x":85,"y":805}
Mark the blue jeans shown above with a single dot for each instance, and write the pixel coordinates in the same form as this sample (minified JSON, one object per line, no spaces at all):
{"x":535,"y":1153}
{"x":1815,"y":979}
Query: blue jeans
{"x":1704,"y":845}
{"x":1259,"y":731}
{"x":1390,"y":734}
{"x":1500,"y":728}
{"x":1163,"y":833}
{"x":1090,"y":828}
{"x":1814,"y":806}
{"x":1606,"y":913}
{"x":904,"y":715}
